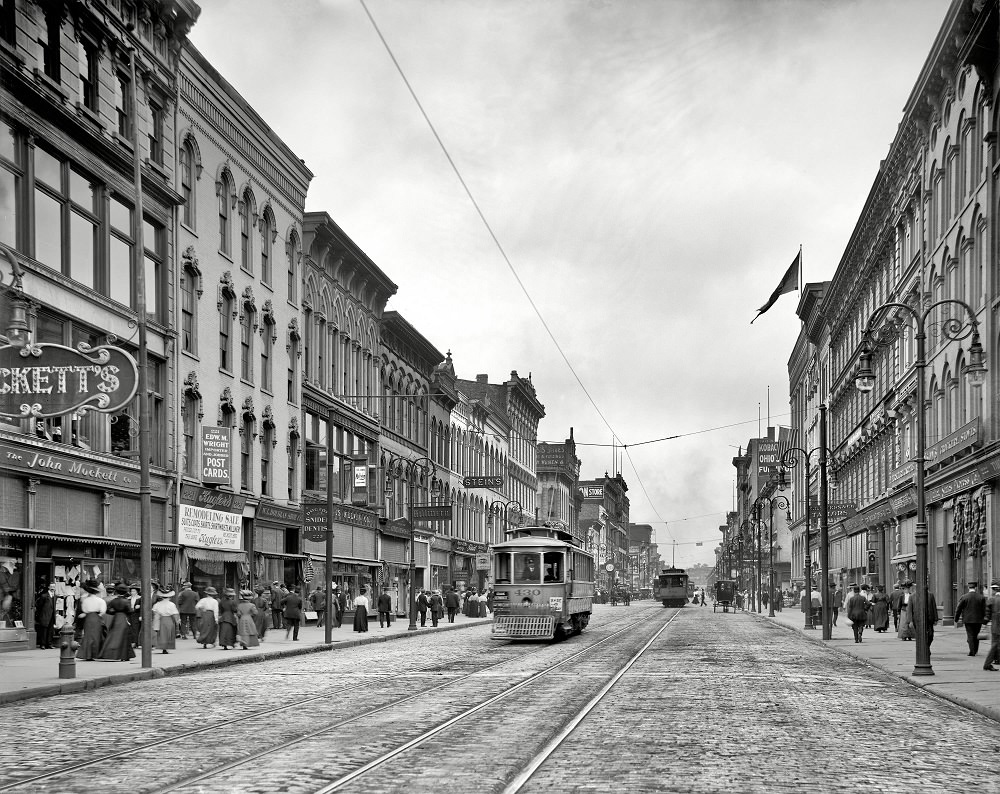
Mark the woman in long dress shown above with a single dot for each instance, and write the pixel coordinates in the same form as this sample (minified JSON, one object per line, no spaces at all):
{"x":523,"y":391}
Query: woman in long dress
{"x":135,"y":618}
{"x":207,"y":610}
{"x":227,"y":619}
{"x":246,"y":626}
{"x":361,"y":611}
{"x":166,"y":617}
{"x":117,"y":646}
{"x":260,"y":619}
{"x":880,"y":610}
{"x":91,"y":609}
{"x":906,"y":631}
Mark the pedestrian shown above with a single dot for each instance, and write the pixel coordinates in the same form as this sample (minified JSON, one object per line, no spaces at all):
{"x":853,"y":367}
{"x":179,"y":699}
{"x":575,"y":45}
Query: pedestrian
{"x":186,"y":600}
{"x":992,"y":616}
{"x":437,"y":607}
{"x":880,"y":610}
{"x":227,"y":619}
{"x":361,"y":611}
{"x":484,"y":610}
{"x":971,"y":610}
{"x":422,"y":605}
{"x":262,"y":607}
{"x":116,"y":646}
{"x":45,"y":615}
{"x":836,"y":602}
{"x":165,"y":620}
{"x":292,"y":614}
{"x":246,"y":625}
{"x":208,"y":618}
{"x":91,"y":610}
{"x":452,"y":603}
{"x":895,"y":605}
{"x":317,"y":600}
{"x":135,"y":617}
{"x":338,"y":606}
{"x":384,"y":608}
{"x":469,"y":601}
{"x":905,"y":630}
{"x":866,"y":591}
{"x":857,"y":612}
{"x":276,"y":606}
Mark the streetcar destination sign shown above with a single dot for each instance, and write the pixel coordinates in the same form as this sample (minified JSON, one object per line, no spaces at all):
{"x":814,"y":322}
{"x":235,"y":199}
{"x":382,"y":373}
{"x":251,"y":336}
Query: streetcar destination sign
{"x":482,"y":482}
{"x":54,"y":380}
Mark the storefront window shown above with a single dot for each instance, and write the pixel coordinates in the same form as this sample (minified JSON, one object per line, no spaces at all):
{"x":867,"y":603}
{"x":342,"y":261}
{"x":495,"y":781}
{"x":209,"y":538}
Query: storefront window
{"x":11,"y":587}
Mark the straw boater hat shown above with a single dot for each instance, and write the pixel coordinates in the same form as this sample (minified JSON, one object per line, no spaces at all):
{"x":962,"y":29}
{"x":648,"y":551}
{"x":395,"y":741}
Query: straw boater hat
{"x":229,"y":592}
{"x":161,"y":593}
{"x":211,"y":591}
{"x":246,"y":594}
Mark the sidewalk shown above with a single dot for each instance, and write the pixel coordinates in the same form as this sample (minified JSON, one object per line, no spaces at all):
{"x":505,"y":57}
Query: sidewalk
{"x":958,"y":677}
{"x":35,"y":673}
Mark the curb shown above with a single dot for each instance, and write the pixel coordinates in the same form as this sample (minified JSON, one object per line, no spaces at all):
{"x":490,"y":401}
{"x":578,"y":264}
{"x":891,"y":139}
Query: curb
{"x":928,"y":685}
{"x":75,"y":685}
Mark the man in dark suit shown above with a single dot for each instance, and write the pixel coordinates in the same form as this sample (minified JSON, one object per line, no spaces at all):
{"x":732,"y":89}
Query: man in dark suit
{"x":384,"y":608}
{"x":422,"y":604}
{"x":451,"y":603}
{"x":276,"y":607}
{"x":896,"y":598}
{"x":971,"y":610}
{"x":992,"y":617}
{"x":186,"y":600}
{"x":45,"y":616}
{"x":292,"y":614}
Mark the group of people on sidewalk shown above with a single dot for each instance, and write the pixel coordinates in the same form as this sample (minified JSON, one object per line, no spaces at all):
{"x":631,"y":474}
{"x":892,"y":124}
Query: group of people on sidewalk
{"x":973,"y":610}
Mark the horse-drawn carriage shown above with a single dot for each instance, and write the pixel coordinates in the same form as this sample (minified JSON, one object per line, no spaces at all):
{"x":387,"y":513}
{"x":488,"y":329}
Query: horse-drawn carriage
{"x":725,"y":595}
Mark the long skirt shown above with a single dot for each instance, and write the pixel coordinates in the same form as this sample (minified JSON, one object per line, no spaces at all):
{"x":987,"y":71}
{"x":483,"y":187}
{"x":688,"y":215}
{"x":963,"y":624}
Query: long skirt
{"x":227,"y":635}
{"x":246,"y":631}
{"x":880,"y":615}
{"x":208,"y":629}
{"x":905,"y":631}
{"x":260,"y":621}
{"x":360,"y":619}
{"x":93,"y":637}
{"x":165,"y":637}
{"x":482,"y":610}
{"x":117,"y":646}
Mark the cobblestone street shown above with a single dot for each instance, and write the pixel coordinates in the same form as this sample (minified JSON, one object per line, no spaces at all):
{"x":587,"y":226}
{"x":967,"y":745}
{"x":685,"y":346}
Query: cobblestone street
{"x":718,"y":702}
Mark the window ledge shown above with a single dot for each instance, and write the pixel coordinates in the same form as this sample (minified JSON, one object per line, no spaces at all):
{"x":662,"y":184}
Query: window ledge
{"x":89,"y":116}
{"x":122,"y":140}
{"x":51,"y":85}
{"x":189,"y":229}
{"x":158,"y":169}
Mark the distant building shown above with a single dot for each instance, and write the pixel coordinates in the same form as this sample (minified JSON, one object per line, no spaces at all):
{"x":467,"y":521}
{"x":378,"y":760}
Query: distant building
{"x":559,"y":497}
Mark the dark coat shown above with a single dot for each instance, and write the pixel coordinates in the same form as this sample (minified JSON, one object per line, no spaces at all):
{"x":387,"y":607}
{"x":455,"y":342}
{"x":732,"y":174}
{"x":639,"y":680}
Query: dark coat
{"x":971,"y":608}
{"x":384,"y":603}
{"x":992,"y":615}
{"x":293,"y":606}
{"x":186,"y":599}
{"x":437,"y":605}
{"x":896,"y":600}
{"x":45,"y":610}
{"x":422,"y":602}
{"x":857,"y":608}
{"x":451,"y":600}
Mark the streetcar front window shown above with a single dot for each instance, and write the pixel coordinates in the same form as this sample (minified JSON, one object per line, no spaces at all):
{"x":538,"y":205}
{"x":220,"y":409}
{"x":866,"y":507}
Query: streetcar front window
{"x":501,"y":568}
{"x":553,"y":567}
{"x":527,"y":568}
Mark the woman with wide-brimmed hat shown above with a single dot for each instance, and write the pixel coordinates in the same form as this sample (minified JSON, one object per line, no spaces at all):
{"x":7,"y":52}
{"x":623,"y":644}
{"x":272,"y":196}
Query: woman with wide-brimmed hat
{"x":246,"y":627}
{"x":135,"y":616}
{"x":208,"y":618}
{"x":166,"y":618}
{"x":117,"y":646}
{"x":227,"y":619}
{"x":261,"y":618}
{"x":91,"y":607}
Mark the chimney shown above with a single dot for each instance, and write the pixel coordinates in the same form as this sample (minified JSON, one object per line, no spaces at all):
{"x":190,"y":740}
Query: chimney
{"x":482,"y":379}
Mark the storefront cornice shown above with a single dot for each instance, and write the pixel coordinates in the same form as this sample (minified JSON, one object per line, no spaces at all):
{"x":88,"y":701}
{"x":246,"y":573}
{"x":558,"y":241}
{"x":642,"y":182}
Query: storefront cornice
{"x":97,"y":540}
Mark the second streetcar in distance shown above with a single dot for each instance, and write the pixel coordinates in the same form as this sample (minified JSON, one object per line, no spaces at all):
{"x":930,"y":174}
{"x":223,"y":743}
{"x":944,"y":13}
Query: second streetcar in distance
{"x":671,"y":587}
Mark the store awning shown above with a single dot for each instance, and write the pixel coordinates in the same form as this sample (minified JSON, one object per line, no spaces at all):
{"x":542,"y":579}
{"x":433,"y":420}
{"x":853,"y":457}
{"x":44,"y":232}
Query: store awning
{"x":38,"y":534}
{"x":348,"y":560}
{"x":215,"y":555}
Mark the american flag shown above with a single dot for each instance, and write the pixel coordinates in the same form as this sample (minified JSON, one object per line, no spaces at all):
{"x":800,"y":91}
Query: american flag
{"x":310,"y":572}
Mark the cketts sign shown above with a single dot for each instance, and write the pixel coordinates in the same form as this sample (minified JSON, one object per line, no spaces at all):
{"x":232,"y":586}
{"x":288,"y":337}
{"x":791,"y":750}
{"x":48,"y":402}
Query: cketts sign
{"x":54,"y":380}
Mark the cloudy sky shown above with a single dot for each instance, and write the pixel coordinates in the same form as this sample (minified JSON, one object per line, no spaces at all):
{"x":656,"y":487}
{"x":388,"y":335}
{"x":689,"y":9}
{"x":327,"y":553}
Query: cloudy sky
{"x":649,"y":168}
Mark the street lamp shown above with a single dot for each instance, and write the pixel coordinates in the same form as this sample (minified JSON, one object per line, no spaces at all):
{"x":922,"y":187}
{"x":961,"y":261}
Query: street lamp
{"x":408,"y":469}
{"x":953,"y":329}
{"x":501,"y":508}
{"x":17,"y":323}
{"x":758,"y":508}
{"x":827,"y":479}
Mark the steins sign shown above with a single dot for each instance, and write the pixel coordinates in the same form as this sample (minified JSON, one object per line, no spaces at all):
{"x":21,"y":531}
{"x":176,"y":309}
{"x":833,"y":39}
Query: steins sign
{"x":53,"y":380}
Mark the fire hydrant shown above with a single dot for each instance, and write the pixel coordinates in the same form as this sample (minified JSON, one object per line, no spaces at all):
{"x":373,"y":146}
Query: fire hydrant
{"x":67,"y":652}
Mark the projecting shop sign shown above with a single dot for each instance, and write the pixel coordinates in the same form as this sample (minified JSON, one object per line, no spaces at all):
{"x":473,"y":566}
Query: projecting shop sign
{"x":210,"y":519}
{"x":216,"y":455}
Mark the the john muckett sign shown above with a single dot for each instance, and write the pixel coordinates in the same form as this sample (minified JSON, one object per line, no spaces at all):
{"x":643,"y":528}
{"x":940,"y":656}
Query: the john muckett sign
{"x":54,"y":380}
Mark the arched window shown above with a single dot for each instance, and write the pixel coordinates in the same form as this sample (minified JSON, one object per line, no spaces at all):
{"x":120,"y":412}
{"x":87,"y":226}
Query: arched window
{"x":248,"y":323}
{"x":268,"y":337}
{"x":223,"y":190}
{"x":227,"y":313}
{"x":187,"y":184}
{"x":292,"y":255}
{"x":246,"y":222}
{"x":266,"y":241}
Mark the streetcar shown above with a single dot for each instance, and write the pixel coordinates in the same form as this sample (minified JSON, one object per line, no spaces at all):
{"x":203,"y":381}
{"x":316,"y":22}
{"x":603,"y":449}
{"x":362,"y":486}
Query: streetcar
{"x":543,"y":585}
{"x":671,"y":587}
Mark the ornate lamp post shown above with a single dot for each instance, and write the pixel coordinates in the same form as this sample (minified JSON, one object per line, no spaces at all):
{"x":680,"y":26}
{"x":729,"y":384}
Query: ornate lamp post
{"x":398,"y":465}
{"x":498,"y":507}
{"x":954,"y":329}
{"x":758,"y":511}
{"x":827,"y":479}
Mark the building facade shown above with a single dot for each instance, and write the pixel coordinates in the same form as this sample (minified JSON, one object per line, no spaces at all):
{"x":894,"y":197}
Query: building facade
{"x":605,"y":516}
{"x":559,"y":486}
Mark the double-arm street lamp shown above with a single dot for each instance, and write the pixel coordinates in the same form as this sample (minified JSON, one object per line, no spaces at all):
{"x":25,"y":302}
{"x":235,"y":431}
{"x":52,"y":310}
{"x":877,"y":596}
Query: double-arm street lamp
{"x":758,"y":512}
{"x":499,"y":507}
{"x":953,"y":329}
{"x":409,"y":469}
{"x":827,"y":479}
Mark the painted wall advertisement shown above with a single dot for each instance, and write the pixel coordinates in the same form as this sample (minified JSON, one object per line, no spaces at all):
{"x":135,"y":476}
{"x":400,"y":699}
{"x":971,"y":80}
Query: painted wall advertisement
{"x":210,"y":519}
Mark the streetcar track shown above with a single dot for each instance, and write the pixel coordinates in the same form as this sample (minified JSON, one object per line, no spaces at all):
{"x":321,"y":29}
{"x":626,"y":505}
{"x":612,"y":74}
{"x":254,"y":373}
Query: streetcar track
{"x":426,"y":735}
{"x":366,"y":681}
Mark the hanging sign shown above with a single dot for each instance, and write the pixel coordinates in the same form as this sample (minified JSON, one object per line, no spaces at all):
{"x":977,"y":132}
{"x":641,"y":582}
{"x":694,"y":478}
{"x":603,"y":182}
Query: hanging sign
{"x":359,"y":493}
{"x":216,"y":455}
{"x":54,"y":380}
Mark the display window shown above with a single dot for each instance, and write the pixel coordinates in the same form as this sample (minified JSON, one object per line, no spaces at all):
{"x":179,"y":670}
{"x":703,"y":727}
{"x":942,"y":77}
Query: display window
{"x":12,"y":597}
